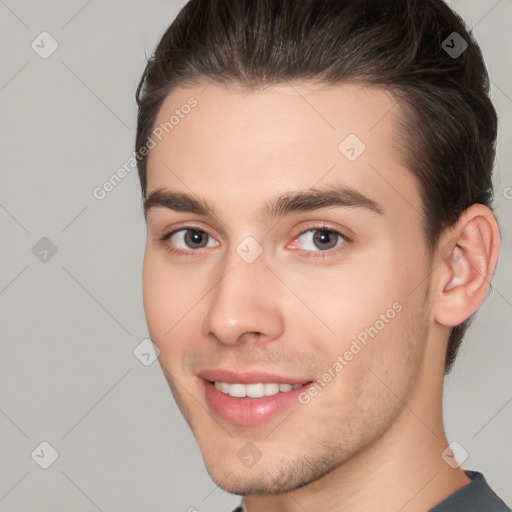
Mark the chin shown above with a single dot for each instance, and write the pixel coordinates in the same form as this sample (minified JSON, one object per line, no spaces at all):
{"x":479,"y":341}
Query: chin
{"x":270,"y":478}
{"x":251,"y":485}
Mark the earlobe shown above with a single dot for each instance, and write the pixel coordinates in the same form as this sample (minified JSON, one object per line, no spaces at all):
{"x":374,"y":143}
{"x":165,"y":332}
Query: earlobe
{"x":467,"y":266}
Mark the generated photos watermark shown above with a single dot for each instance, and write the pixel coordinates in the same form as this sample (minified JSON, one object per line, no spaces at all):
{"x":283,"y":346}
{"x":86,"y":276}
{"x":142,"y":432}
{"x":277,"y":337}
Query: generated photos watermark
{"x":101,"y":192}
{"x":356,"y":346}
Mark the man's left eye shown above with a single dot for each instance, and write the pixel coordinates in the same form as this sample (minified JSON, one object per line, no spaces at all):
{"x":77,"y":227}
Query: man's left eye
{"x":315,"y":239}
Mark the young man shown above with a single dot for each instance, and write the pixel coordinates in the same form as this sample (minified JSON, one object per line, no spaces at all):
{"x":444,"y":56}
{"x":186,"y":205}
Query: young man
{"x":316,"y":177}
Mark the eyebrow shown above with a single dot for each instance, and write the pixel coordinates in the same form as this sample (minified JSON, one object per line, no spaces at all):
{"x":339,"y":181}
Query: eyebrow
{"x":329,"y":196}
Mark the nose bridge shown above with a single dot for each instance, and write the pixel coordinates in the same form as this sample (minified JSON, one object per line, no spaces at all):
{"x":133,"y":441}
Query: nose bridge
{"x":243,"y":300}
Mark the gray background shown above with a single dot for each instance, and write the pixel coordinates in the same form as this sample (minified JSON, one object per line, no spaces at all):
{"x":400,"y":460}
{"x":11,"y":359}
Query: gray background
{"x":69,"y":325}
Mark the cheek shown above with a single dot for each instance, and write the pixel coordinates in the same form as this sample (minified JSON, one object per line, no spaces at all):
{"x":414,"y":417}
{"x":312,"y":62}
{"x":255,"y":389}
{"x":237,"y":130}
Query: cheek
{"x":348,"y":300}
{"x":169,"y":295}
{"x":371,"y":320}
{"x":384,"y":367}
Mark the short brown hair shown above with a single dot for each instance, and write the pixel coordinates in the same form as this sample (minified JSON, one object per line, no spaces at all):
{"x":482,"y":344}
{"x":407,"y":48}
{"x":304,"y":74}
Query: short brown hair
{"x":450,"y":125}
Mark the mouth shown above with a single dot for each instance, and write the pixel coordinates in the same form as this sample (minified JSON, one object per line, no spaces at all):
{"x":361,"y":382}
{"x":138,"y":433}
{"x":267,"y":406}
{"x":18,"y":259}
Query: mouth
{"x":250,"y":399}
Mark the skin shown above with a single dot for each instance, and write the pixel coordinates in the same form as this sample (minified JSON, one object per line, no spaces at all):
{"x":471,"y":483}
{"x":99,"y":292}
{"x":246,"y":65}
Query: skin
{"x":373,"y":437}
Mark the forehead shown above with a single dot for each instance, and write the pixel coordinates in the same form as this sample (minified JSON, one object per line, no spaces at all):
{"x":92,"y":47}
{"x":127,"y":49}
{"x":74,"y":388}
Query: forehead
{"x":241,"y":147}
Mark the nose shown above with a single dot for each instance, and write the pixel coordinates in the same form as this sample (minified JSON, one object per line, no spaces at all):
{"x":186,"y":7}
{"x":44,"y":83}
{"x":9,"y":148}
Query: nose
{"x":244,"y":303}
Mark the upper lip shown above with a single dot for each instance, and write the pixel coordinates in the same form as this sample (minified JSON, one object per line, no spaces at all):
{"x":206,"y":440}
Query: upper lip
{"x":250,"y":377}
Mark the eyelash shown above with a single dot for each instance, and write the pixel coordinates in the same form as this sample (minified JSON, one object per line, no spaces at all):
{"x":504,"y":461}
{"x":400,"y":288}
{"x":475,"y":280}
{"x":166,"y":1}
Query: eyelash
{"x":309,"y":254}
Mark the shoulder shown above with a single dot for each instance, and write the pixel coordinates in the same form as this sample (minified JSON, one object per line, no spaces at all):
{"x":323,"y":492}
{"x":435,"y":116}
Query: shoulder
{"x":476,"y":496}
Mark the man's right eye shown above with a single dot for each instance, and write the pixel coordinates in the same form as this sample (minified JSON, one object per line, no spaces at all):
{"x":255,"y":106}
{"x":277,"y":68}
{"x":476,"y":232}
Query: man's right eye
{"x":186,"y":240}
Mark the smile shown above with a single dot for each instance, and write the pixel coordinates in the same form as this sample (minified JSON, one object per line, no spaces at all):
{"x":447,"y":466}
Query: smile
{"x":251,"y":402}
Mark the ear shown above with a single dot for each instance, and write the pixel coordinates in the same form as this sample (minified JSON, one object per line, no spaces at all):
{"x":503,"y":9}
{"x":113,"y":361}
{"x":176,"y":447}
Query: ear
{"x":467,"y":257}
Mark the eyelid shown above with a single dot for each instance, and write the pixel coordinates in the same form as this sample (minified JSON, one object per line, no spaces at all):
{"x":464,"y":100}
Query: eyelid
{"x":321,"y":226}
{"x":324,"y":226}
{"x":191,"y":225}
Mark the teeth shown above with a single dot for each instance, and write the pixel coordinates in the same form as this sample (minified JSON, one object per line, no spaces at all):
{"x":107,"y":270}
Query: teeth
{"x":237,"y":390}
{"x":254,"y":390}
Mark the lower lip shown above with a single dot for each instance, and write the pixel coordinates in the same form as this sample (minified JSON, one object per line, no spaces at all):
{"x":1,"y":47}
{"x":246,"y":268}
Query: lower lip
{"x":249,"y":411}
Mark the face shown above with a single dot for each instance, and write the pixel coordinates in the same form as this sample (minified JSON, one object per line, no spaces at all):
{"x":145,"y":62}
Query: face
{"x":286,"y":314}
